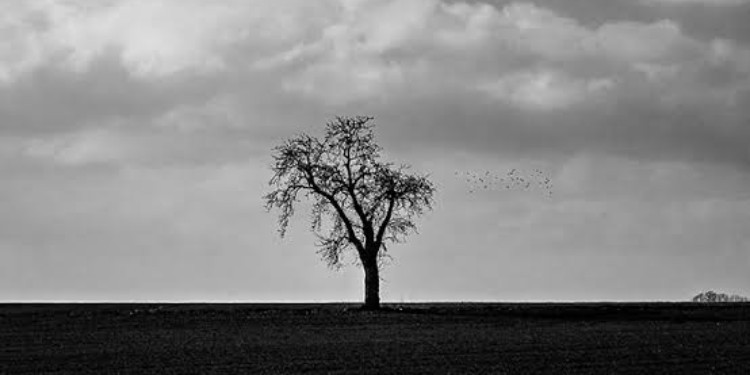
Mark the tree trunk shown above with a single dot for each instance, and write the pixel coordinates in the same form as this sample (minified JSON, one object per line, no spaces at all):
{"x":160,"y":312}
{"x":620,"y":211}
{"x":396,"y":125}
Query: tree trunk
{"x":372,"y":284}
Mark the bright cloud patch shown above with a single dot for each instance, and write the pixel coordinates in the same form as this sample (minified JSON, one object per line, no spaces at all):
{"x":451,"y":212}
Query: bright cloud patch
{"x":151,"y":38}
{"x":545,"y":90}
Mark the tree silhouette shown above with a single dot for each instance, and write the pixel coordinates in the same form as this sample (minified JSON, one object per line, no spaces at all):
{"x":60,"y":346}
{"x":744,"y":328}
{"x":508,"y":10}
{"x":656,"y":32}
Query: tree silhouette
{"x":712,"y":296}
{"x":365,"y":203}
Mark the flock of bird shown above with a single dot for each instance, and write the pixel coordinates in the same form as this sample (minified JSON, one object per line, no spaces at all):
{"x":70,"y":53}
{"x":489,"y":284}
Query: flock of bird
{"x":514,"y":179}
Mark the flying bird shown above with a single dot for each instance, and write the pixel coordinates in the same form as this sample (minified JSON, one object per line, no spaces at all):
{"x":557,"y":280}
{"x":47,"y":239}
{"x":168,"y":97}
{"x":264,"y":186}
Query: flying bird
{"x":487,"y":180}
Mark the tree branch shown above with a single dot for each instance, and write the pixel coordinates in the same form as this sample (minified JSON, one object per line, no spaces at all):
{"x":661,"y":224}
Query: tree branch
{"x":384,"y":223}
{"x":340,"y":211}
{"x":368,"y":201}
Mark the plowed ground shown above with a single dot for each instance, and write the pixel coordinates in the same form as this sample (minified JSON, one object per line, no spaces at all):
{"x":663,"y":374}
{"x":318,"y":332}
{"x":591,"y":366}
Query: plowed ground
{"x":412,"y":338}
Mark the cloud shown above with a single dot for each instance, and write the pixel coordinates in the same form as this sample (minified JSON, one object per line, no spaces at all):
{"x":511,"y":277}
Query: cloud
{"x":122,"y":144}
{"x":457,"y":46}
{"x":701,"y":2}
{"x":19,"y":48}
{"x":545,"y":90}
{"x":633,"y":42}
{"x":95,"y":146}
{"x":521,"y":62}
{"x":131,"y":129}
{"x":341,"y":53}
{"x":729,"y":54}
{"x":151,"y":39}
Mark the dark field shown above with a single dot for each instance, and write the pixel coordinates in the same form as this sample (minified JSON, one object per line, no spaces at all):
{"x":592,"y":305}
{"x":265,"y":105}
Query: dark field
{"x":658,"y":338}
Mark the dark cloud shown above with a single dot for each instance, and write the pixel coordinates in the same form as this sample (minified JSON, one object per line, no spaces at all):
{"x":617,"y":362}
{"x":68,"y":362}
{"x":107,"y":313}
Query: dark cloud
{"x":632,"y":125}
{"x":55,"y":99}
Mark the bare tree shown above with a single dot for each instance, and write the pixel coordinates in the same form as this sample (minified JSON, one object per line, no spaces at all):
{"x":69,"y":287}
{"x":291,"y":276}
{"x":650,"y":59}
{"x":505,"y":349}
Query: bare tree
{"x":358,"y":201}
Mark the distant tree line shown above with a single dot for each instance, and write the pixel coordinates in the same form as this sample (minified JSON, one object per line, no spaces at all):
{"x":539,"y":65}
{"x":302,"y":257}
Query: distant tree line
{"x":712,"y":296}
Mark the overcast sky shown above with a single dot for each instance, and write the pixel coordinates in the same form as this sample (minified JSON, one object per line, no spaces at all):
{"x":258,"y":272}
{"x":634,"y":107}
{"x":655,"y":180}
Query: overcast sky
{"x":135,"y":142}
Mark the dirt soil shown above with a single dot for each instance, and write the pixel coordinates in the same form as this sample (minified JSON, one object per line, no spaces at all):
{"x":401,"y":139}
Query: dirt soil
{"x":635,"y":338}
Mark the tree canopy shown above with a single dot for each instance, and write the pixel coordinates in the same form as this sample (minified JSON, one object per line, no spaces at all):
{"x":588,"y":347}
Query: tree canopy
{"x":358,"y":201}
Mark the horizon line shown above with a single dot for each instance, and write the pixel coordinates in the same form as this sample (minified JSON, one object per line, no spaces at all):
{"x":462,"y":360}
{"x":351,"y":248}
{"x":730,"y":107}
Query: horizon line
{"x":149,"y":301}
